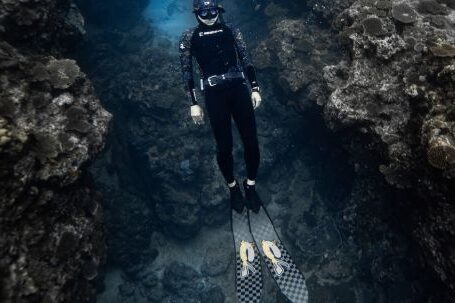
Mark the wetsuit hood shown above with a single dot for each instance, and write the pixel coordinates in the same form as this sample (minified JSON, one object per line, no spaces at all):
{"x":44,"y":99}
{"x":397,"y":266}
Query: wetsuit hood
{"x":199,"y":5}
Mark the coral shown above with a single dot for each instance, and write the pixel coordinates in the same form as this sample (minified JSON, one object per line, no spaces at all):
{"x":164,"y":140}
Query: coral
{"x":50,"y":226}
{"x":63,"y":99}
{"x":441,"y":152}
{"x":76,"y":112}
{"x":373,"y":26}
{"x":419,"y":47}
{"x":432,"y":7}
{"x":438,"y":21}
{"x":444,"y":50}
{"x":449,"y":3}
{"x":404,"y":13}
{"x":438,"y":132}
{"x":384,"y":4}
{"x":45,"y":146}
{"x":79,"y":126}
{"x":62,"y":73}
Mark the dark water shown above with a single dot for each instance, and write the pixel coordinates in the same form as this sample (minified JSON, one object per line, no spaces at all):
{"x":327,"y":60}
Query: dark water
{"x":167,"y":217}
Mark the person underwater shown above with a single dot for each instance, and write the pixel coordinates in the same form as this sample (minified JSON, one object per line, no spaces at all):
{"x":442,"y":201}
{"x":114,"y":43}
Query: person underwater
{"x":225,"y":66}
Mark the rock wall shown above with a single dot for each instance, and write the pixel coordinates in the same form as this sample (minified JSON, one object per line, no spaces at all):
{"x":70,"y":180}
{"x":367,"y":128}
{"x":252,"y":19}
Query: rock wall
{"x":51,"y":126}
{"x":383,"y":75}
{"x":397,"y":90}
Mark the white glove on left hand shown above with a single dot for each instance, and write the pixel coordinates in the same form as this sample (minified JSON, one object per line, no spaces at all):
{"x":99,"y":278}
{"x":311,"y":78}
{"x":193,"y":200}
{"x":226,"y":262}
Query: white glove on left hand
{"x":197,"y":113}
{"x":256,"y":99}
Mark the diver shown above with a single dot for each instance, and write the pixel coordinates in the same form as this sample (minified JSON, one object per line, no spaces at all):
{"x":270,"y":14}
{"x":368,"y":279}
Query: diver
{"x":224,"y":65}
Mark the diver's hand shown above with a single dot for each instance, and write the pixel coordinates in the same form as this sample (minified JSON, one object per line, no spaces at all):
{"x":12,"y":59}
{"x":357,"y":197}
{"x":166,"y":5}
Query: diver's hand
{"x":197,"y":114}
{"x":256,"y":99}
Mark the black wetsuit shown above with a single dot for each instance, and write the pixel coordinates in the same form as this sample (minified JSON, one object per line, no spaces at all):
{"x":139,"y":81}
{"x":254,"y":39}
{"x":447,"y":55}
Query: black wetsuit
{"x":220,"y":49}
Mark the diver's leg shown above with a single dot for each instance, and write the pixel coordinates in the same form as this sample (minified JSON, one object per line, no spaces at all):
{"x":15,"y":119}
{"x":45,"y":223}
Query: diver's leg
{"x":219,"y":112}
{"x":243,"y":113}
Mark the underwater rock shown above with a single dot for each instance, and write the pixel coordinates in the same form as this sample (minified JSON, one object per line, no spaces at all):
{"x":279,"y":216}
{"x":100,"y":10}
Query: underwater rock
{"x":388,"y":97}
{"x":214,"y":293}
{"x":328,"y":10}
{"x":126,"y":290}
{"x":90,"y":269}
{"x":216,"y":261}
{"x":185,"y":284}
{"x":51,"y":241}
{"x":274,"y":10}
{"x":182,"y":280}
{"x":128,"y":233}
{"x":180,"y":213}
{"x":295,"y":51}
{"x":376,"y":80}
{"x":384,"y":96}
{"x":434,"y":234}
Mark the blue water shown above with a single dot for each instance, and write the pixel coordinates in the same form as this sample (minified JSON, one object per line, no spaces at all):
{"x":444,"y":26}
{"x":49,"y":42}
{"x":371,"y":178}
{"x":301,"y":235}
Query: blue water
{"x":170,"y":17}
{"x":161,"y":183}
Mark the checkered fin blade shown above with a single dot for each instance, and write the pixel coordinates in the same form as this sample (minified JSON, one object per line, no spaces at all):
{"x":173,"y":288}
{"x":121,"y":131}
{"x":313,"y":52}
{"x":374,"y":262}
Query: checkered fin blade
{"x":290,"y":280}
{"x":248,"y":287}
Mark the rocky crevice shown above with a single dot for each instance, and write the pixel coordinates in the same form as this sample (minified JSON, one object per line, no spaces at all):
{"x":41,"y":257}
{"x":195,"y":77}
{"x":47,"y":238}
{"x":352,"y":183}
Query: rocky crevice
{"x":379,"y":72}
{"x":159,"y":174}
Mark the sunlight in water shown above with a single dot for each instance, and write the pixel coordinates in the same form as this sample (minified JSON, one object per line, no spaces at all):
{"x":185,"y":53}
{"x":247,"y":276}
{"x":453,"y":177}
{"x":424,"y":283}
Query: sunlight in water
{"x":170,"y":17}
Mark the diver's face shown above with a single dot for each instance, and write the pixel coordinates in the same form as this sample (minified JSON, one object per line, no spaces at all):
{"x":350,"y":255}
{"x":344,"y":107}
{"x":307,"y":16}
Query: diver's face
{"x":208,"y":16}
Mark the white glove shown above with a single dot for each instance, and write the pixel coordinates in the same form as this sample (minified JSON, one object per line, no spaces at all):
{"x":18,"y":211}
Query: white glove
{"x":256,"y":99}
{"x":197,"y":114}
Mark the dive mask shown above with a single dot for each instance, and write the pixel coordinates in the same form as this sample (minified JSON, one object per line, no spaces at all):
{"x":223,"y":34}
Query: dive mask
{"x":208,"y":13}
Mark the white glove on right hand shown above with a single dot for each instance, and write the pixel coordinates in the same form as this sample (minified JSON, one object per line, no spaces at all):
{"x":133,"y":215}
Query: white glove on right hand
{"x":197,"y":114}
{"x":256,"y":99}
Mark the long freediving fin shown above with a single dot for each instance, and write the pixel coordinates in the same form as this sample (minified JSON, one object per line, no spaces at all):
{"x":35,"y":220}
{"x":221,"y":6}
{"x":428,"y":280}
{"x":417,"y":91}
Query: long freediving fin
{"x":286,"y":274}
{"x":248,"y":277}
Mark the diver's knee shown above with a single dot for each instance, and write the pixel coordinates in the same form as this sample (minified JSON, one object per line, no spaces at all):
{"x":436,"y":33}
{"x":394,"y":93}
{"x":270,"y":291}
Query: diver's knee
{"x":224,"y":151}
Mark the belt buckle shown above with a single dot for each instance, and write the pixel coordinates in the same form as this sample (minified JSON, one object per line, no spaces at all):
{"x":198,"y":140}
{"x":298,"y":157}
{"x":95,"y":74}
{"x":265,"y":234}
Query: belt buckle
{"x":209,"y":80}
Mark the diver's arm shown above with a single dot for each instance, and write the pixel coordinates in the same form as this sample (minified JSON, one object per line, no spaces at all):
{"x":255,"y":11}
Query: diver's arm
{"x":245,"y":59}
{"x":186,"y":62}
{"x":247,"y":67}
